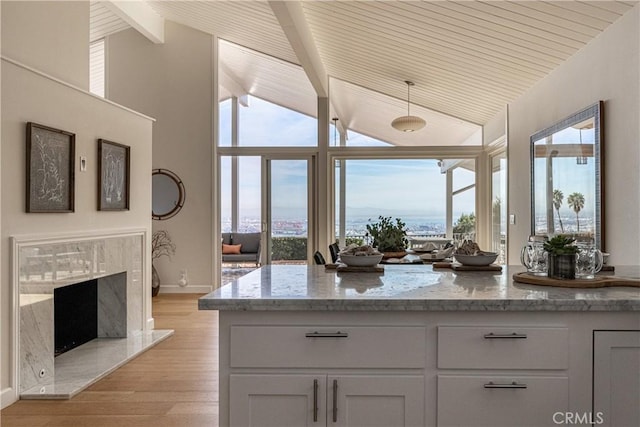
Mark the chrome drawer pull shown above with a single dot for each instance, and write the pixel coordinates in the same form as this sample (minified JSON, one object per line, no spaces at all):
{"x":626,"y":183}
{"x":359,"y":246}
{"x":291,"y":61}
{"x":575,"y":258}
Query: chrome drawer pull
{"x":315,"y":401}
{"x":513,"y":384}
{"x":513,"y":335}
{"x":317,"y":334}
{"x":335,"y":401}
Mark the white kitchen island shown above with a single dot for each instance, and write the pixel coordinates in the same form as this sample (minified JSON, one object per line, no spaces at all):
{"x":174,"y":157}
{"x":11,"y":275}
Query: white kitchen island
{"x":305,"y":346}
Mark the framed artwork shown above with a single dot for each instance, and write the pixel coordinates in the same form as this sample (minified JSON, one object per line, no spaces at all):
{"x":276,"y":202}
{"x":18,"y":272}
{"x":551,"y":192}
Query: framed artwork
{"x":113,"y":176}
{"x":50,"y":169}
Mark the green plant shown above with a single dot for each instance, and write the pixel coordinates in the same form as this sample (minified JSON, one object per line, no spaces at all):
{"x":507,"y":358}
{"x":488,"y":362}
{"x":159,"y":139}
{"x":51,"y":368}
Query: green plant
{"x":561,"y":245}
{"x":465,"y":224}
{"x":388,"y":236}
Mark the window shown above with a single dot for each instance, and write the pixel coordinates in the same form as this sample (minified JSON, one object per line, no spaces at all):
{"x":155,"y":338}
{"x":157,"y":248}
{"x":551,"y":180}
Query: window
{"x":499,"y":205}
{"x":464,"y":200}
{"x":413,"y":190}
{"x":263,"y":124}
{"x":246,"y":199}
{"x":96,"y":68}
{"x":355,"y":139}
{"x":225,"y":123}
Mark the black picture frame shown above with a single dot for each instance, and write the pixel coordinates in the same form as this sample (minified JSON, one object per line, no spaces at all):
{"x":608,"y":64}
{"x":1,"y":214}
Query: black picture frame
{"x":50,"y":169}
{"x":114,"y":162}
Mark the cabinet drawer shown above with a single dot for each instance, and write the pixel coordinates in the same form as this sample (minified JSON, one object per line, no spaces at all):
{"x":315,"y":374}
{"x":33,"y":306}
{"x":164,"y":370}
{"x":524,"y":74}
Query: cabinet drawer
{"x":497,"y":401}
{"x":327,"y":346}
{"x":462,"y":347}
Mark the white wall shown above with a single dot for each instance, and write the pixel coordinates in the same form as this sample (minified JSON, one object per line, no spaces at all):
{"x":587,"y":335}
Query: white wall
{"x":54,"y":47}
{"x":172,"y":82}
{"x":51,"y":36}
{"x":494,"y":128}
{"x":3,"y":340}
{"x":27,"y":96}
{"x":605,"y":69}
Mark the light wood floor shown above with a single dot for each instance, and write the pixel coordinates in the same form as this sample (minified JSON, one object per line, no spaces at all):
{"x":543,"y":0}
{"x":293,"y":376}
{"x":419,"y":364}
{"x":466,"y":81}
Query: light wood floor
{"x":173,"y":384}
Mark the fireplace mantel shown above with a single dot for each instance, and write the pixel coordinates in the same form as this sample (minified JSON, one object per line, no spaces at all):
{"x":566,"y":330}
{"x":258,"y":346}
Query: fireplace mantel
{"x":44,"y":263}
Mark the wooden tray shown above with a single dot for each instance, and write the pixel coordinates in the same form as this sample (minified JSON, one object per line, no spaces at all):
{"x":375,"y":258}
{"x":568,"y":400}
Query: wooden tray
{"x":355,"y":269}
{"x":459,"y":267}
{"x":598,"y":282}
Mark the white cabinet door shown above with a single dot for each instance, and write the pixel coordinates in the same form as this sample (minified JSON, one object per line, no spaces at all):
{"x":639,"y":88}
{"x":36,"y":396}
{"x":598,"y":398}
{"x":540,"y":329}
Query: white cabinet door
{"x":375,"y":400}
{"x":304,"y":400}
{"x":277,"y":400}
{"x":616,"y":377}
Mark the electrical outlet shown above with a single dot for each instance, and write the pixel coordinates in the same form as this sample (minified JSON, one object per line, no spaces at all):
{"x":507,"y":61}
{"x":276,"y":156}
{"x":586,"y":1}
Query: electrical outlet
{"x":512,"y":219}
{"x":83,"y":164}
{"x":184,"y":280}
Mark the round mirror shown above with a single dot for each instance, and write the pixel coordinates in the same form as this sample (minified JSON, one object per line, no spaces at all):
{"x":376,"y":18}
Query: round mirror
{"x":168,"y":194}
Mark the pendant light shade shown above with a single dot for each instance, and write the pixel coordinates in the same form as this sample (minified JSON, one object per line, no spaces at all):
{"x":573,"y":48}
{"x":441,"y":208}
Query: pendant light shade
{"x":408,"y":123}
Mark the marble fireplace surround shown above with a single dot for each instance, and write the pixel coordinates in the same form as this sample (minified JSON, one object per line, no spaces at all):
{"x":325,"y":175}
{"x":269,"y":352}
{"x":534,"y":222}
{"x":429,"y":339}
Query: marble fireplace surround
{"x":42,"y":264}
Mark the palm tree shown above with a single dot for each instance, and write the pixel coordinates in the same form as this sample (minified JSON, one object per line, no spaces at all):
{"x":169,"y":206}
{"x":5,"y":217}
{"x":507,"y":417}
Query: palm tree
{"x":576,"y":202}
{"x":557,"y":202}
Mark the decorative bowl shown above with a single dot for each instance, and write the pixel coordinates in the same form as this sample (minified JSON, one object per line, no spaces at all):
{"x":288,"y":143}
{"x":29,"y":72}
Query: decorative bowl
{"x":486,"y":258}
{"x":361,"y":260}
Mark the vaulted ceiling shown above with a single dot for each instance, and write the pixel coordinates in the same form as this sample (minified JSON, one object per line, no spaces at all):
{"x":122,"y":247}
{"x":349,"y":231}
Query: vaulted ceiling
{"x":468,"y":59}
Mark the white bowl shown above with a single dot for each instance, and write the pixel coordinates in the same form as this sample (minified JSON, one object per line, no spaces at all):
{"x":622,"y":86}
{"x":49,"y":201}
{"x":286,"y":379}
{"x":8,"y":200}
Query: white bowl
{"x":361,"y":260}
{"x":476,"y":260}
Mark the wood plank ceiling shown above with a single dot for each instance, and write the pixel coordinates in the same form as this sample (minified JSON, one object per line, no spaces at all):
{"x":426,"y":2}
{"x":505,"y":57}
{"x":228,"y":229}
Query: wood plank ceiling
{"x":468,"y":59}
{"x":103,"y":22}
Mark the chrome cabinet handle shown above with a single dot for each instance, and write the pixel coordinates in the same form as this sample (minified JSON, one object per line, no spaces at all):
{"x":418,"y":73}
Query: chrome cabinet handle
{"x":513,"y":384}
{"x":513,"y":335}
{"x":317,"y":334}
{"x":315,"y":401}
{"x":335,"y":401}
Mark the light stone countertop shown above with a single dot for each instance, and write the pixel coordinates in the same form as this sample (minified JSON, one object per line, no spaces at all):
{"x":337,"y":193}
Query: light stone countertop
{"x":414,"y":287}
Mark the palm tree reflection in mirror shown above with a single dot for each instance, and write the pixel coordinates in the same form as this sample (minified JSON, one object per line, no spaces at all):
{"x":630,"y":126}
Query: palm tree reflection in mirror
{"x":576,"y":202}
{"x":558,"y":197}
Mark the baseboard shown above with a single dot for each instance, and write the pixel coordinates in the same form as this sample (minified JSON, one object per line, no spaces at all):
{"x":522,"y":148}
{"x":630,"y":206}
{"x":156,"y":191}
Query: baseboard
{"x":8,"y":396}
{"x":175,"y":289}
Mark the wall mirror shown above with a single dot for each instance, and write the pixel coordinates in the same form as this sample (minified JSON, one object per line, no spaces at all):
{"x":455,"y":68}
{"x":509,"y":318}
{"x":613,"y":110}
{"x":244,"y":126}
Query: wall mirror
{"x":168,"y":194}
{"x":567,"y":177}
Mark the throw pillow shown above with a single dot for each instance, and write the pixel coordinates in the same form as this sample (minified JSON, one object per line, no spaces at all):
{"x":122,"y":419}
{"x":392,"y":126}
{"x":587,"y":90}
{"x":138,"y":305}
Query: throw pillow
{"x":231,"y":249}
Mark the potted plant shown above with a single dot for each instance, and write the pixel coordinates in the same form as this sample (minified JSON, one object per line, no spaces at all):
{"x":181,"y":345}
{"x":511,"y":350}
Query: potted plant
{"x":161,"y":245}
{"x":562,"y":257}
{"x":388,"y":236}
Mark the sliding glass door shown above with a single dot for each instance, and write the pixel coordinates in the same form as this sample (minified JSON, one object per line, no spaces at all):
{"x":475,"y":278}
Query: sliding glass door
{"x":286,"y":201}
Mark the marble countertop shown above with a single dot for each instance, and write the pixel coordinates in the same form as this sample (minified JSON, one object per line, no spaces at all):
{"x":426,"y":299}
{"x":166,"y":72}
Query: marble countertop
{"x":416,"y":287}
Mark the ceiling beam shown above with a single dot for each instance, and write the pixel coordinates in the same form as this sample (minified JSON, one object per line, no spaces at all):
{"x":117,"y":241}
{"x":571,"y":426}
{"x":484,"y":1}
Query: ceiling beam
{"x":140,"y":16}
{"x":292,"y":20}
{"x":228,"y":81}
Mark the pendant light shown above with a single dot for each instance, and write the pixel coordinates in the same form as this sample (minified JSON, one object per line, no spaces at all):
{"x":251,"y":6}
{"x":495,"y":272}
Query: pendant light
{"x":408,"y":123}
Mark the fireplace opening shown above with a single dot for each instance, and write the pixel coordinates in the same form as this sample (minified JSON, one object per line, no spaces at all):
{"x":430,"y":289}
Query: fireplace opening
{"x":75,"y":315}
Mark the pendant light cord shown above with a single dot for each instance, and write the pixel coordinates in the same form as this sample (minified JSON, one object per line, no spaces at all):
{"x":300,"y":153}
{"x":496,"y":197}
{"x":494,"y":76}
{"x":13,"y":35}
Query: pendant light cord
{"x":408,"y":98}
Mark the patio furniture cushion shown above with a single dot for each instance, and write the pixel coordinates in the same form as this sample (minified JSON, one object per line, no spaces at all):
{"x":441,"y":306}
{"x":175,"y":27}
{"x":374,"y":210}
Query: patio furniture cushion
{"x":231,"y":249}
